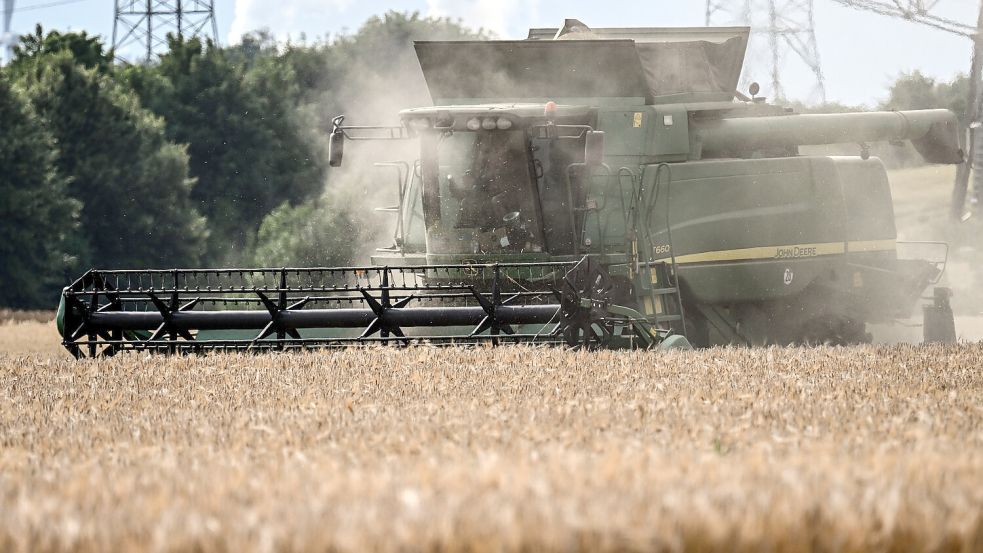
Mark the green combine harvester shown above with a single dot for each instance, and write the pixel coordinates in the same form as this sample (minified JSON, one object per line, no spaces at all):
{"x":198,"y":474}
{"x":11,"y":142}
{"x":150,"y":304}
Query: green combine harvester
{"x":599,"y":188}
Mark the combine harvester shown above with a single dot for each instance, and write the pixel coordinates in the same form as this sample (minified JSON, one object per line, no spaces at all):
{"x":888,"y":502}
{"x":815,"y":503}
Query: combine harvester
{"x":605,"y":188}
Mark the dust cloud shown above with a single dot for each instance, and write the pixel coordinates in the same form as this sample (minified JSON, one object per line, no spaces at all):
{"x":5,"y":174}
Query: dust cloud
{"x":921,"y":206}
{"x":373,"y":95}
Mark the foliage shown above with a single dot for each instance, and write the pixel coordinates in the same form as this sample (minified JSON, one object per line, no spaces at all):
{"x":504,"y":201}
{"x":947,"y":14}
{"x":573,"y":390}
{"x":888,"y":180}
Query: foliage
{"x":373,"y":73}
{"x":132,"y":183}
{"x":36,"y":215}
{"x":85,"y":50}
{"x":307,"y":235}
{"x":917,"y":91}
{"x":249,"y":152}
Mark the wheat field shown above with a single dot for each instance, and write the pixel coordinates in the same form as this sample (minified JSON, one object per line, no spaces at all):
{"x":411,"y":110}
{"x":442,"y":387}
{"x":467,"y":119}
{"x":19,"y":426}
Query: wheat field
{"x":505,"y":449}
{"x":30,"y":332}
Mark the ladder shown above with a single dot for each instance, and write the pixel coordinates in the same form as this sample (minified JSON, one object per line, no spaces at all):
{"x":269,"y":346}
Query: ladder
{"x":662,"y":301}
{"x":659,"y":293}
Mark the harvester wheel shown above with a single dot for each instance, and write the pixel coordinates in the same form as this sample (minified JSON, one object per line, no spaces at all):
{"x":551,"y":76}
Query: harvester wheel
{"x":939,"y":322}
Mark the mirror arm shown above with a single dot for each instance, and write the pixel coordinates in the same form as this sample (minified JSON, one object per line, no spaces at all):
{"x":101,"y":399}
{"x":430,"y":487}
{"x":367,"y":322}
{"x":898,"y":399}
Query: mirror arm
{"x":353,"y":132}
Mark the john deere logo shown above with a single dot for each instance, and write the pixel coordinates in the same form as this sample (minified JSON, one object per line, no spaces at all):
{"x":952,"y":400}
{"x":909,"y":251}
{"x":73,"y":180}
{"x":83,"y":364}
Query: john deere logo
{"x":789,"y":275}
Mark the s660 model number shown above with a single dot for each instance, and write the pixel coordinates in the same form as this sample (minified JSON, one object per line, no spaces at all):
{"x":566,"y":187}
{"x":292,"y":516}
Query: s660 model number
{"x":661,"y":249}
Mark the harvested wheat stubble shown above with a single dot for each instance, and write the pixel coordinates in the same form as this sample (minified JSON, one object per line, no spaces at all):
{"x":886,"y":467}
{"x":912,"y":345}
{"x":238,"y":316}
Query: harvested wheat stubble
{"x":830,"y":449}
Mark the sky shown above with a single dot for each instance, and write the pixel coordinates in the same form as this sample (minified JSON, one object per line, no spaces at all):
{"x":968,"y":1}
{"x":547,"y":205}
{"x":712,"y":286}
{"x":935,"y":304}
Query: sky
{"x":861,"y":53}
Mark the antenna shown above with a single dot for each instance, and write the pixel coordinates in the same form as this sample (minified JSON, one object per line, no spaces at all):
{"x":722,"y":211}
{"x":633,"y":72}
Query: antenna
{"x":143,"y":25}
{"x":779,"y":29}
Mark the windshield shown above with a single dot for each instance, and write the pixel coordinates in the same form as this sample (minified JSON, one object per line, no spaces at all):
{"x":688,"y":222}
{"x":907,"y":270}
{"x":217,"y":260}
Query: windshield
{"x":480,"y":194}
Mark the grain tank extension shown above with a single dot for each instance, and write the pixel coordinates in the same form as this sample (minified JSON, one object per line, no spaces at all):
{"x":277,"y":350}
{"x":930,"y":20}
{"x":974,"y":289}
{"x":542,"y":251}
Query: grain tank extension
{"x":606,"y":187}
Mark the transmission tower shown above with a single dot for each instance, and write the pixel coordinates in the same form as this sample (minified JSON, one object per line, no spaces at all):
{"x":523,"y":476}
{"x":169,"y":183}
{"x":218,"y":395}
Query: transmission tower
{"x":145,"y":24}
{"x":7,"y":39}
{"x":779,"y":29}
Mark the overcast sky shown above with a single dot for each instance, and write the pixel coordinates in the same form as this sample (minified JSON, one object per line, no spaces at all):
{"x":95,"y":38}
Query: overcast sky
{"x":861,"y":53}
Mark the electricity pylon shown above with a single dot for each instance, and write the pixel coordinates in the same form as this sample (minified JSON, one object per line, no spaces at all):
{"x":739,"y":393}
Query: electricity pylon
{"x":146,"y":23}
{"x":779,"y":29}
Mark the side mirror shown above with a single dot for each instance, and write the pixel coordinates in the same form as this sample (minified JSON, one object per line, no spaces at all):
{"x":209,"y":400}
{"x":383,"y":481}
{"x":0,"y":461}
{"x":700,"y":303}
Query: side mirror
{"x":336,"y":148}
{"x":594,"y":148}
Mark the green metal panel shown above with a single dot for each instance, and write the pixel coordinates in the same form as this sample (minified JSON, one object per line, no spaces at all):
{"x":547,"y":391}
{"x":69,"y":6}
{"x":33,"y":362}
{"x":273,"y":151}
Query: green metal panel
{"x":669,"y":134}
{"x":867,"y":195}
{"x":747,"y":229}
{"x":626,"y":131}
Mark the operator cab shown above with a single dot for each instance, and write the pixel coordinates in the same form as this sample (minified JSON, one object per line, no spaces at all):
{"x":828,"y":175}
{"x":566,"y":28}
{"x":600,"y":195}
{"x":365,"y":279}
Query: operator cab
{"x":496,"y":181}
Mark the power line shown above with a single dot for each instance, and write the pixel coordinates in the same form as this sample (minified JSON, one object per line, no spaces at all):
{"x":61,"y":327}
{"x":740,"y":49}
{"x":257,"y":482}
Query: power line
{"x":30,"y":7}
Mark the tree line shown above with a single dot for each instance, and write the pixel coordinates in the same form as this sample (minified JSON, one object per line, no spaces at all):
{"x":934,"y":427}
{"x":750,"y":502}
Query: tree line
{"x":208,"y":156}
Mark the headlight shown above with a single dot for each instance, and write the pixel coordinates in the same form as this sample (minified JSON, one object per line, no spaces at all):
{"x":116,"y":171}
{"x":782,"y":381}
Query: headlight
{"x":474,"y":124}
{"x":488,"y":124}
{"x":504,"y":124}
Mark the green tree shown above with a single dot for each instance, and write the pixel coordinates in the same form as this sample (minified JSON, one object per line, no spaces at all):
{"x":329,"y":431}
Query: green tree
{"x":373,"y":73}
{"x":37,"y":217}
{"x":131,"y":181}
{"x":918,"y":91}
{"x":86,"y":50}
{"x":249,"y":152}
{"x":307,"y":235}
